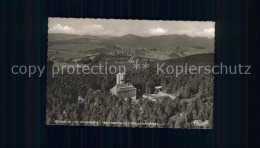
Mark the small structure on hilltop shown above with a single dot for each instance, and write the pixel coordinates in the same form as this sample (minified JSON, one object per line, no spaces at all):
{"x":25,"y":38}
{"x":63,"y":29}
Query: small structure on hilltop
{"x":76,"y":60}
{"x":158,"y":93}
{"x":158,"y":89}
{"x":122,"y":89}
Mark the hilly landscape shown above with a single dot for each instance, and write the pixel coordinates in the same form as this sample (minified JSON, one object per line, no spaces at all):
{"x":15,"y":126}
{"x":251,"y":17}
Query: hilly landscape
{"x":180,"y":101}
{"x":61,"y":36}
{"x":163,"y":41}
{"x":66,"y":47}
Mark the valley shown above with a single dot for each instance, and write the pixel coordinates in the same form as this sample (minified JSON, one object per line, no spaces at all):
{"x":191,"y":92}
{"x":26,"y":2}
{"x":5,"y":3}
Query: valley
{"x":67,"y":48}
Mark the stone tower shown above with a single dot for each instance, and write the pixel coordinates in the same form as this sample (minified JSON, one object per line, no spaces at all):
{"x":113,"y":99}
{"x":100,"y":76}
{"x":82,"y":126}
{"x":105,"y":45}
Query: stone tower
{"x":123,"y":89}
{"x":120,"y":78}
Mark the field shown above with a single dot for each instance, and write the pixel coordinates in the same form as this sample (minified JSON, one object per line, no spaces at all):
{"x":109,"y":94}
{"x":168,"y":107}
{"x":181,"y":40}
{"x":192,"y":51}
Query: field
{"x":63,"y":47}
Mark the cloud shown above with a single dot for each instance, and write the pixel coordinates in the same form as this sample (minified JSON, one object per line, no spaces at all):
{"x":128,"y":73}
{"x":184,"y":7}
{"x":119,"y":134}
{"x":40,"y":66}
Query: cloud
{"x":193,"y":32}
{"x":210,"y":32}
{"x":94,"y":27}
{"x":58,"y":28}
{"x":157,"y":31}
{"x":99,"y":29}
{"x":186,"y":31}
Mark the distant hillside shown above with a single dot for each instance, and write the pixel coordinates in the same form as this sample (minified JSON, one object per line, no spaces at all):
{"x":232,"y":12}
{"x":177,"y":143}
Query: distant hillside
{"x":75,"y":40}
{"x":164,"y":41}
{"x":207,"y":58}
{"x":60,"y":36}
{"x":128,"y":40}
{"x":91,"y":37}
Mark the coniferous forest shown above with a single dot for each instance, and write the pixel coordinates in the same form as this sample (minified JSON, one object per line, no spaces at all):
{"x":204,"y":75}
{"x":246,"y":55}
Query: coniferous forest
{"x":194,"y":100}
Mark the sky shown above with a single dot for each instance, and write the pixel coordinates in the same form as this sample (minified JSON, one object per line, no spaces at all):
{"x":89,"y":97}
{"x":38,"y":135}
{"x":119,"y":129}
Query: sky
{"x":115,"y":27}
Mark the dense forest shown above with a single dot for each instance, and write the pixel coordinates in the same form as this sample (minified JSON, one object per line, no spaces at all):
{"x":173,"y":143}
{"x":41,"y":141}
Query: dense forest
{"x":194,"y":99}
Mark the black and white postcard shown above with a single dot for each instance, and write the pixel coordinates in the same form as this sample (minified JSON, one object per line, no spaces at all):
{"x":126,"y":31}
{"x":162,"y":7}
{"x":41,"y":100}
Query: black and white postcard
{"x":130,"y":73}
